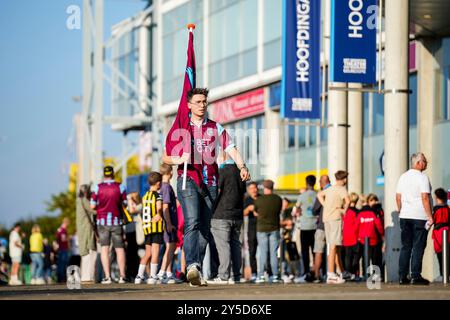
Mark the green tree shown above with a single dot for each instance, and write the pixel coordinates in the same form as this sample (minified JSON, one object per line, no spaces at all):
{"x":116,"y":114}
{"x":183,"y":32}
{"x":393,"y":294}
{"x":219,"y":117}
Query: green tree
{"x":64,"y":203}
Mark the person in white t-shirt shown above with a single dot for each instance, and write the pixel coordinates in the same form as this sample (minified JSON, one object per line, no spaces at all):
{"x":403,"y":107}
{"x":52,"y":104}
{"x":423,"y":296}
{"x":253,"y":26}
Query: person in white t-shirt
{"x":15,"y":252}
{"x":414,"y":204}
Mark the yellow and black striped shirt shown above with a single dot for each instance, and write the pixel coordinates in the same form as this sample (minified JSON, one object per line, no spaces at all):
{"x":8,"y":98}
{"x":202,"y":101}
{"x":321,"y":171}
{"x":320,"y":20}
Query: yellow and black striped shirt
{"x":149,"y":211}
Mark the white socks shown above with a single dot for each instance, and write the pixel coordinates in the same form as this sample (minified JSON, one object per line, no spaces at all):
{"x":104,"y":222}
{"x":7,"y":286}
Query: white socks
{"x":141,"y":270}
{"x":153,"y":269}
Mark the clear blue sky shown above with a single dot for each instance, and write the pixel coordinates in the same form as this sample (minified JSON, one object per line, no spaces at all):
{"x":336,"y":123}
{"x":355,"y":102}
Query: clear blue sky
{"x":40,"y":70}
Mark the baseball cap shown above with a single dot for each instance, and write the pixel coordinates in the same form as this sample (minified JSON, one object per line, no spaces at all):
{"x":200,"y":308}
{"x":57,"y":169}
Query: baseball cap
{"x":108,"y":171}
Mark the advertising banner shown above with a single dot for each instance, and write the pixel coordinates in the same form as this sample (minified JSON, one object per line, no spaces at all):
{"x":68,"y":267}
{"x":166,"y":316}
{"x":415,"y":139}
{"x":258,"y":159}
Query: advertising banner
{"x":353,"y":46}
{"x":300,"y":84}
{"x":238,"y":107}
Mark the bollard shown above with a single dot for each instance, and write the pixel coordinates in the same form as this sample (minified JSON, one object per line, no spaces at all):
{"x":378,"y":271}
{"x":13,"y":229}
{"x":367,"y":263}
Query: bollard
{"x":366,"y":257}
{"x":282,"y":255}
{"x":445,"y":256}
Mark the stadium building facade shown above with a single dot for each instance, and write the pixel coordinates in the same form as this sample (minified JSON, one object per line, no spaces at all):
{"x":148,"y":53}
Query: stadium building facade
{"x":238,"y":54}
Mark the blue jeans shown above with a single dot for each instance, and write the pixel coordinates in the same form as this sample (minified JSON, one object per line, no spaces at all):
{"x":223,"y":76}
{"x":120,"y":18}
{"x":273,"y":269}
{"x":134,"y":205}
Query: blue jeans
{"x":268,"y":243}
{"x":63,"y":258}
{"x":37,"y":265}
{"x":414,"y":241}
{"x":197,"y":205}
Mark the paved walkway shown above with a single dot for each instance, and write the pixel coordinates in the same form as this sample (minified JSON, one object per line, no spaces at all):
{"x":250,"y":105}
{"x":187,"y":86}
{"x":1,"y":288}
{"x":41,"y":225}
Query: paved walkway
{"x":348,"y":291}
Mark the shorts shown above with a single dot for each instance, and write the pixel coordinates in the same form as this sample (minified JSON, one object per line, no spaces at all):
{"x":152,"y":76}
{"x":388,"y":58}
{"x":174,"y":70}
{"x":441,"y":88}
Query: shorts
{"x":319,"y":241}
{"x":157,"y":238}
{"x":333,"y":232}
{"x":16,"y":259}
{"x":106,"y":233}
{"x":171,"y":237}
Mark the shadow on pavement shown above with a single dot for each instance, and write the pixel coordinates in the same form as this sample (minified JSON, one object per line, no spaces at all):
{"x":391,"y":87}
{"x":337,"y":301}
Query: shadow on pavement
{"x":11,"y":293}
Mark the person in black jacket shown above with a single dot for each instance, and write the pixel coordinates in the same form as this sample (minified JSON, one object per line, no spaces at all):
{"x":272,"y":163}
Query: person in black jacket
{"x":227,"y":221}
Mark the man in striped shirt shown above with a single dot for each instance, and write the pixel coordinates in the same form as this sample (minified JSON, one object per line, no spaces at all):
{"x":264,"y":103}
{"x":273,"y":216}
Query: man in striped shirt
{"x":108,"y":199}
{"x":153,"y":224}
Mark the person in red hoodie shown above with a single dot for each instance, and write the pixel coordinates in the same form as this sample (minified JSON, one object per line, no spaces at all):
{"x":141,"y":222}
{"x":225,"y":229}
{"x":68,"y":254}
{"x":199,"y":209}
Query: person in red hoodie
{"x":441,"y":222}
{"x":350,"y":239}
{"x":369,"y":225}
{"x":374,"y":203}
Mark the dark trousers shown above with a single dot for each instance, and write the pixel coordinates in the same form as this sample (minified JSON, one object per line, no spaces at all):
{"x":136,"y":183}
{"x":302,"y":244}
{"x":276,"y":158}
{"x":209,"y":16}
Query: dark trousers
{"x":252,"y":244}
{"x":373,"y":257}
{"x":307,"y":243}
{"x":63,"y":258}
{"x":439,"y":256}
{"x":132,"y":258}
{"x":351,"y":260}
{"x":414,"y":240}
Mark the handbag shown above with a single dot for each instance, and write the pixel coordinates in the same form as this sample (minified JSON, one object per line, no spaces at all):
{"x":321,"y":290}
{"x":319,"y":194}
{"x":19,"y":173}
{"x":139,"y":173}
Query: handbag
{"x":140,"y":236}
{"x":125,"y":216}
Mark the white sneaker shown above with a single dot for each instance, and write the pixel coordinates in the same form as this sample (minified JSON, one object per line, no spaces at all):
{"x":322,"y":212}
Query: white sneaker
{"x":203,"y":283}
{"x":194,"y":276}
{"x":298,"y":280}
{"x":232,"y":281}
{"x":253,"y":278}
{"x":139,"y":280}
{"x":335,"y":279}
{"x":286,"y":279}
{"x":274,"y":279}
{"x":106,"y":280}
{"x":173,"y":280}
{"x":217,"y":280}
{"x":152,"y":280}
{"x":33,"y":281}
{"x":260,"y":280}
{"x":15,"y":282}
{"x":122,"y":280}
{"x":243,"y":280}
{"x":40,"y":281}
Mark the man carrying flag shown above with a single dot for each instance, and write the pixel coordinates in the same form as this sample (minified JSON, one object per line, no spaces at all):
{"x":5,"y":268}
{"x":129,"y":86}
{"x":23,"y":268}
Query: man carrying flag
{"x":194,"y":141}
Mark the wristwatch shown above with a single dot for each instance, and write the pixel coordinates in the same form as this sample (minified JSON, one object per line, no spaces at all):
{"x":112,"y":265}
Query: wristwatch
{"x":243,"y":166}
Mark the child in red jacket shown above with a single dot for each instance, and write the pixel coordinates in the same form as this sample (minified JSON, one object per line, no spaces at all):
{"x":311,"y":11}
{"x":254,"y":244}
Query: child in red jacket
{"x":350,"y":239}
{"x":441,"y":222}
{"x":374,"y":203}
{"x":369,"y":226}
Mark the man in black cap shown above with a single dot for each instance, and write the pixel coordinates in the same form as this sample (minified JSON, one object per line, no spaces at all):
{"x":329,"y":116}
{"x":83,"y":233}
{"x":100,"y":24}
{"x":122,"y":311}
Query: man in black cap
{"x":108,"y":199}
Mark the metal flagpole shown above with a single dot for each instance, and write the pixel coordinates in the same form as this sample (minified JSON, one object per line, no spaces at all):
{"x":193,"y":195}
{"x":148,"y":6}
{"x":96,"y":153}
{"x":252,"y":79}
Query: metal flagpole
{"x":191,"y":28}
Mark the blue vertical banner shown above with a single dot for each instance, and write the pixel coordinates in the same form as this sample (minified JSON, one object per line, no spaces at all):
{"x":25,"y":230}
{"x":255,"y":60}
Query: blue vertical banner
{"x":353,"y":38}
{"x":300,"y":83}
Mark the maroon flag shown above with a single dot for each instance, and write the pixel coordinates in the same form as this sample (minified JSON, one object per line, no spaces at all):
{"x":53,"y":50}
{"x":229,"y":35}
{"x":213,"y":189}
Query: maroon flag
{"x":178,"y":140}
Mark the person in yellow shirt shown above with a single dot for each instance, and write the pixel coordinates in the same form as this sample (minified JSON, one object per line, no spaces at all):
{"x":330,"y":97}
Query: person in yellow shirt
{"x":37,"y":252}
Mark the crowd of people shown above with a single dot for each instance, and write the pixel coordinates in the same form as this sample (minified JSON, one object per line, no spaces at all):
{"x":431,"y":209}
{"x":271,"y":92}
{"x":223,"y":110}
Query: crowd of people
{"x":34,"y":260}
{"x":198,"y":235}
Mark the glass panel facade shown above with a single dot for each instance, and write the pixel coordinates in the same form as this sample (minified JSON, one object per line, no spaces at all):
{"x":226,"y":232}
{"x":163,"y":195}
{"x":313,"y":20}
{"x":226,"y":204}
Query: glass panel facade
{"x":378,"y":114}
{"x":301,"y":136}
{"x":366,"y":98}
{"x":175,"y":45}
{"x":290,"y":136}
{"x":272,"y":33}
{"x":247,"y":136}
{"x":125,"y":58}
{"x":312,"y":136}
{"x":232,"y":40}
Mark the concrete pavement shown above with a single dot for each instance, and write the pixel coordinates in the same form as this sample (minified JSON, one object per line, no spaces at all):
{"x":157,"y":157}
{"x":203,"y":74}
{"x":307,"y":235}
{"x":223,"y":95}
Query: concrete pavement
{"x":348,"y":291}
